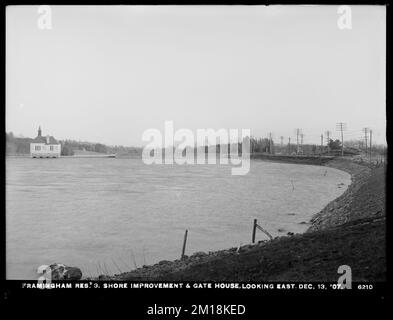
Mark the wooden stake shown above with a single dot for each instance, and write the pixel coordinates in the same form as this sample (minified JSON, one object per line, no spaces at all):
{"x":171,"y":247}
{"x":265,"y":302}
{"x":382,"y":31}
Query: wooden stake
{"x":254,"y":228}
{"x":184,"y":245}
{"x":265,"y":232}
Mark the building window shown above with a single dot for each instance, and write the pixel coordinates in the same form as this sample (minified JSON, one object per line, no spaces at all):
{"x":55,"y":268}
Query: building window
{"x":51,"y":148}
{"x":37,"y":148}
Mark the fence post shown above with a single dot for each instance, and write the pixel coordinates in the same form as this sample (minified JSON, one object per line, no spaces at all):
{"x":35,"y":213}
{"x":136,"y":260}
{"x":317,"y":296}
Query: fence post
{"x":254,"y":228}
{"x":184,"y":245}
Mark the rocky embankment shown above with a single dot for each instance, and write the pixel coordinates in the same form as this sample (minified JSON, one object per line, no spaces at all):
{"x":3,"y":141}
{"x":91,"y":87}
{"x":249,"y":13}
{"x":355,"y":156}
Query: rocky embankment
{"x":350,"y":230}
{"x":365,"y":196}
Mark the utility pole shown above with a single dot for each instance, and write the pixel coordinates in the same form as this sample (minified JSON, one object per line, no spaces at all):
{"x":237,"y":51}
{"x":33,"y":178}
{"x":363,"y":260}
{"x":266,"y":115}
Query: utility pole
{"x":365,"y":138}
{"x":341,"y":127}
{"x":301,"y":142}
{"x":270,"y":143}
{"x":321,"y":143}
{"x":328,"y":141}
{"x":289,"y":145}
{"x":282,"y":139}
{"x":297,"y":140}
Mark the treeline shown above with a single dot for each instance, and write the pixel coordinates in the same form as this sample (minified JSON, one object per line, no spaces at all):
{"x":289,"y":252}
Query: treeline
{"x":17,"y":146}
{"x":70,"y":146}
{"x":261,"y":145}
{"x":21,"y":146}
{"x":333,"y":148}
{"x":360,"y":144}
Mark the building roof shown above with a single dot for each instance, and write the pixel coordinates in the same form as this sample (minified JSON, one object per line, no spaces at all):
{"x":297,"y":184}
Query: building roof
{"x":41,"y":139}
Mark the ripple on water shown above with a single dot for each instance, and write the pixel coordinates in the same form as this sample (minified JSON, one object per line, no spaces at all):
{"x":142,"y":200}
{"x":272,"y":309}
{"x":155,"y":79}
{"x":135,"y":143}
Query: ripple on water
{"x":80,"y":211}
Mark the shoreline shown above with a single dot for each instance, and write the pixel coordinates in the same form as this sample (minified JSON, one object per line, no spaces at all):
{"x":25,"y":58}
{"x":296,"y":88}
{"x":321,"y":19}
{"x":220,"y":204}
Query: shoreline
{"x":338,"y":211}
{"x":337,"y":219}
{"x":104,"y":155}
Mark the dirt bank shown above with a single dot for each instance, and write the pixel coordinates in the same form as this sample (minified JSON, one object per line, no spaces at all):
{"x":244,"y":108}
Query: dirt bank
{"x":349,"y":230}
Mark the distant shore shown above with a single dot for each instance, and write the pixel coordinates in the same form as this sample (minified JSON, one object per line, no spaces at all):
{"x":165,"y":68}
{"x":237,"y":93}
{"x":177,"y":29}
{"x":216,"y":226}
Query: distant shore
{"x":349,"y":230}
{"x":68,"y":157}
{"x":103,"y":155}
{"x":299,"y":159}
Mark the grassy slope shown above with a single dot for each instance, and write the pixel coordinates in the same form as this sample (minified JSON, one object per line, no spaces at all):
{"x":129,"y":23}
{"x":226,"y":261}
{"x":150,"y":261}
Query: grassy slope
{"x":313,"y":256}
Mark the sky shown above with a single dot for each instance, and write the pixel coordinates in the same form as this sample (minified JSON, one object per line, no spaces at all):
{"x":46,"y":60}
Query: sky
{"x":108,"y":73}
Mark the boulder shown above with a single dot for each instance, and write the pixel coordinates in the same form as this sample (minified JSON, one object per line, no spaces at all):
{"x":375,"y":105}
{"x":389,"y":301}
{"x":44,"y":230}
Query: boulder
{"x":104,"y":277}
{"x":62,"y":272}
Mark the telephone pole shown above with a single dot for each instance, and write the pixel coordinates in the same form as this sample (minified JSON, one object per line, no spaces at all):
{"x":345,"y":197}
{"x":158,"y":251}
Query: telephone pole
{"x":301,"y":142}
{"x":321,"y":143}
{"x":341,"y":127}
{"x":289,"y":145}
{"x":270,"y":143}
{"x":282,"y":139}
{"x":297,"y":140}
{"x":365,"y":130}
{"x":328,"y":140}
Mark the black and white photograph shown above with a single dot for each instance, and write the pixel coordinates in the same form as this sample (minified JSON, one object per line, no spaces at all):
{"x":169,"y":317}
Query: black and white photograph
{"x":223,"y":147}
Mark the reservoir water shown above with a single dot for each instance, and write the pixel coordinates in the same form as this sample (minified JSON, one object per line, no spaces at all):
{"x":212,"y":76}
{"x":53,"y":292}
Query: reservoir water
{"x":106,"y":215}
